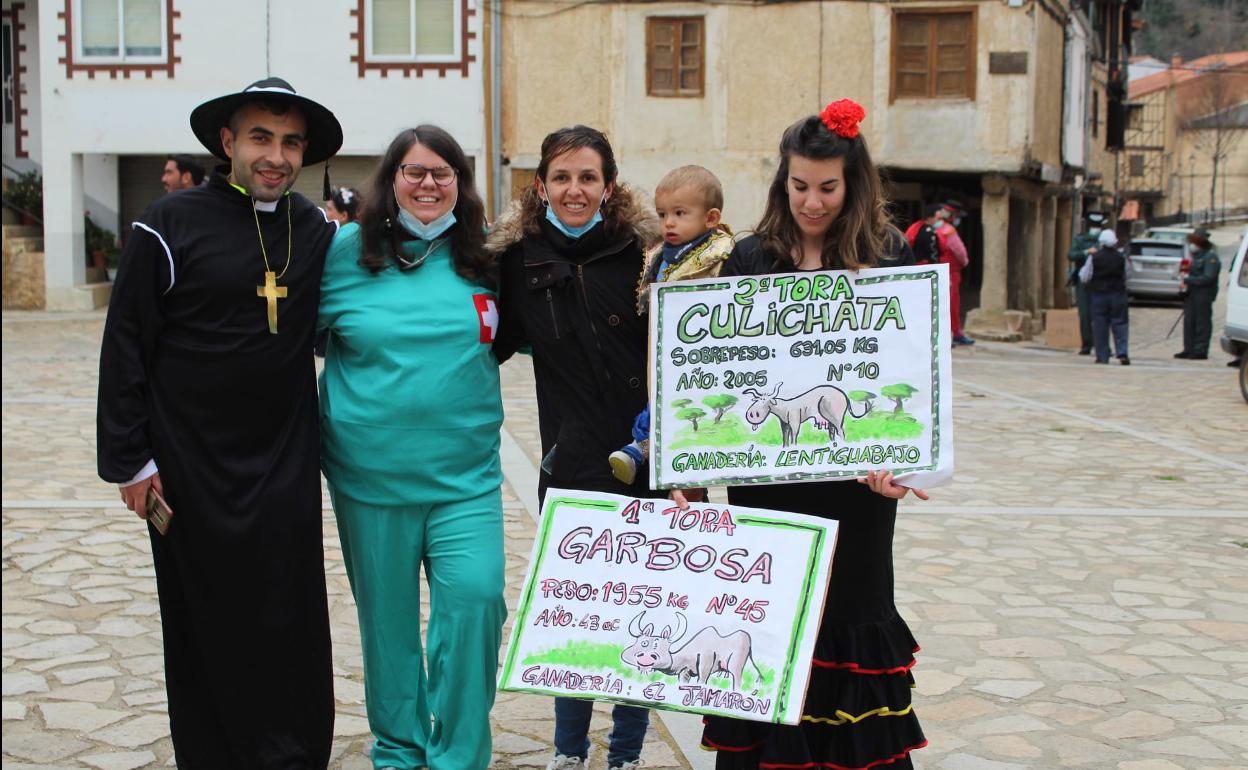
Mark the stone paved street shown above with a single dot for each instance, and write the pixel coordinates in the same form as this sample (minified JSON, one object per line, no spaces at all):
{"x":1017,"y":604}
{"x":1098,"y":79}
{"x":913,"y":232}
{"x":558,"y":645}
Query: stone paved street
{"x":1080,"y":590}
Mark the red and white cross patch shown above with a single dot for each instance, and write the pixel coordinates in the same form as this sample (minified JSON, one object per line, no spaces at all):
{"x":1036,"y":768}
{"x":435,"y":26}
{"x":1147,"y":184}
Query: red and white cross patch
{"x":487,"y":316}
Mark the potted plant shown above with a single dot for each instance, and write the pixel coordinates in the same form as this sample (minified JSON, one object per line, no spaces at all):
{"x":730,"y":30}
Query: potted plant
{"x":101,"y":245}
{"x":26,"y":195}
{"x":113,"y":258}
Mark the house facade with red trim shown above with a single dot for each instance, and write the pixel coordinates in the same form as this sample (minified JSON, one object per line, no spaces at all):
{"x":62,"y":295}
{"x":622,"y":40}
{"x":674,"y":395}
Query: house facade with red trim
{"x":99,"y":93}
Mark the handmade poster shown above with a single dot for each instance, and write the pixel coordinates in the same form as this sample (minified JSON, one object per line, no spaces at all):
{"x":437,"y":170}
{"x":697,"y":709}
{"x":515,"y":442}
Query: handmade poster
{"x":712,"y":610}
{"x":801,"y":377}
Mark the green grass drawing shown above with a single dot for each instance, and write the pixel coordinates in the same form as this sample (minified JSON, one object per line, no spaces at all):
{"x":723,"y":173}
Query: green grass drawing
{"x":882,"y":425}
{"x":732,"y":431}
{"x":605,"y":658}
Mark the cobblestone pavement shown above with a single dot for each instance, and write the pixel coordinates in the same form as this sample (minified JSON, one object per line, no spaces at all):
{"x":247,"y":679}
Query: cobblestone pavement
{"x":1080,"y":591}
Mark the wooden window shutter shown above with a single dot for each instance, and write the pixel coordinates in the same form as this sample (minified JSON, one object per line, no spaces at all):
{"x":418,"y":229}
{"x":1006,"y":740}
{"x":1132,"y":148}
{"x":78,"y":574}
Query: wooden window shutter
{"x":675,"y":56}
{"x":952,"y":38}
{"x":660,"y":71}
{"x":933,"y":54}
{"x":910,"y":67}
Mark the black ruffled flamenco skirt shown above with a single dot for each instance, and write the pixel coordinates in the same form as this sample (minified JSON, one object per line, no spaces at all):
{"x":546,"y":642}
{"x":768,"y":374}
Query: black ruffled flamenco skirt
{"x":857,"y":715}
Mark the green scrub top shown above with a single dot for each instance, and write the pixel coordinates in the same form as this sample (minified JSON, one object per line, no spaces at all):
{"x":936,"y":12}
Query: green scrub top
{"x":410,"y":400}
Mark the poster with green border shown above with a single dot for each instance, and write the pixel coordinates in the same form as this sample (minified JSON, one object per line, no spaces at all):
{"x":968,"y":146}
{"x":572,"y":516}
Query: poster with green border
{"x":809,"y":376}
{"x":711,"y":610}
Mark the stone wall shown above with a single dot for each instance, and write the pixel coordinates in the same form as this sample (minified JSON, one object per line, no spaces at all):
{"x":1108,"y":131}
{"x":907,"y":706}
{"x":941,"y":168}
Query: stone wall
{"x":23,"y":287}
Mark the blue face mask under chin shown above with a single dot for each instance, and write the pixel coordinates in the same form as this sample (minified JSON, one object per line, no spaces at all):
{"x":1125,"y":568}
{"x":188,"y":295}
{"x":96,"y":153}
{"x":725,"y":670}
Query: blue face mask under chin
{"x":425,"y":232}
{"x":574,"y":232}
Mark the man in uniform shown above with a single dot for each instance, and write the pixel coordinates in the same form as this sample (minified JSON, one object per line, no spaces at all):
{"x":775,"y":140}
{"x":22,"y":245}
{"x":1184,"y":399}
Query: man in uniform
{"x":1200,"y":289}
{"x":208,"y":396}
{"x":1081,"y":247}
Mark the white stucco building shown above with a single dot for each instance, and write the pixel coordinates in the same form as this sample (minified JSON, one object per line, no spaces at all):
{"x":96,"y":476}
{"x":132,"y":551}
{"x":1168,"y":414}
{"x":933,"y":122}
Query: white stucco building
{"x":98,"y":93}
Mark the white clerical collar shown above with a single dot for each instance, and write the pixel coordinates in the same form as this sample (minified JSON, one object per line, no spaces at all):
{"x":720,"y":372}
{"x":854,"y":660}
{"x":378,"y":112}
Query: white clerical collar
{"x":266,"y":206}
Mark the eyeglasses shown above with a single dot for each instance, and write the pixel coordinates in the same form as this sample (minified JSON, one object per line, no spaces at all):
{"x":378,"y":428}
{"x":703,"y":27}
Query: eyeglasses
{"x":415,"y":173}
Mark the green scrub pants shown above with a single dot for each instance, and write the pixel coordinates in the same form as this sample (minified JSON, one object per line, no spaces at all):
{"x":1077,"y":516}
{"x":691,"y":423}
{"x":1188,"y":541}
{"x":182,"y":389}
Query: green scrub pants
{"x":427,"y":711}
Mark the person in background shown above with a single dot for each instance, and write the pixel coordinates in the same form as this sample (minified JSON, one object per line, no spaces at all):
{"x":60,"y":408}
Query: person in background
{"x":1105,"y":274}
{"x":181,"y":173}
{"x":953,"y":253}
{"x":922,"y":236}
{"x":1081,"y":248}
{"x":1200,"y":289}
{"x":344,"y":205}
{"x":689,"y":201}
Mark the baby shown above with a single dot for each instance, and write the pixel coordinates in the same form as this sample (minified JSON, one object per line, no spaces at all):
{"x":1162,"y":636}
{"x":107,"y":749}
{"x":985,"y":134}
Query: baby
{"x":689,"y":201}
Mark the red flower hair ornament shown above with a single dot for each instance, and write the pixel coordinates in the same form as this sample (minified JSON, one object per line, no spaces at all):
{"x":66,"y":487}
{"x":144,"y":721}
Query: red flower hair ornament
{"x":842,"y":117}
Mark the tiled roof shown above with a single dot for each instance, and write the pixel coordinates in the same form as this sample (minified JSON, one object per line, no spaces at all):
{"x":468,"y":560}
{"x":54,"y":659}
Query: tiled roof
{"x":1186,"y":71}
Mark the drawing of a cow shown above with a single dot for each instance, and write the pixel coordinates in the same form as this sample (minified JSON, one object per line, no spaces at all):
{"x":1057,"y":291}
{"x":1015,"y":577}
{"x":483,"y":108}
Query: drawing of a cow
{"x":706,"y":653}
{"x":826,"y":405}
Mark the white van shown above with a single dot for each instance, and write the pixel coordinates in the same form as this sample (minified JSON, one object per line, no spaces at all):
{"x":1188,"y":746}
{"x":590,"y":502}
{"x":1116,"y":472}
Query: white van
{"x":1235,"y":339}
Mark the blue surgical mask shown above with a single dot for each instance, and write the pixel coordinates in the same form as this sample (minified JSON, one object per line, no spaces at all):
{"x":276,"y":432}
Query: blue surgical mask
{"x":426,"y":232}
{"x":575,"y":232}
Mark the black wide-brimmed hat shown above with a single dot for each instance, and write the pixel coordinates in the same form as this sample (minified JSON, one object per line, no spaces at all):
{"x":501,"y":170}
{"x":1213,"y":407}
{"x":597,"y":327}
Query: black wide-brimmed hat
{"x":324,"y":131}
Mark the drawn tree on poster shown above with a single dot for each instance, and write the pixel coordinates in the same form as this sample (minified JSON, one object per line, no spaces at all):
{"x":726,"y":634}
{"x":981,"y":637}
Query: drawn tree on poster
{"x":692,"y":415}
{"x":898,"y":393}
{"x":681,"y":403}
{"x":720,"y":404}
{"x":863,"y":397}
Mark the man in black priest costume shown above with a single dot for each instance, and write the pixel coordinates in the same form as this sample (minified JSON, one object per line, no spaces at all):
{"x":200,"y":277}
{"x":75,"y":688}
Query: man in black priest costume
{"x":208,"y":395}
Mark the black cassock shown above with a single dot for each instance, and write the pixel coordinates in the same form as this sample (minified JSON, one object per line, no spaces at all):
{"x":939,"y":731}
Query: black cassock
{"x":192,"y":378}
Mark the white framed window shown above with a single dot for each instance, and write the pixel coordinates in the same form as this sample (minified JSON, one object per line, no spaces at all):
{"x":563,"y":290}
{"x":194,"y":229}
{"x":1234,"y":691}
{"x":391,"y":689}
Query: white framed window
{"x":413,"y":30}
{"x":120,"y":31}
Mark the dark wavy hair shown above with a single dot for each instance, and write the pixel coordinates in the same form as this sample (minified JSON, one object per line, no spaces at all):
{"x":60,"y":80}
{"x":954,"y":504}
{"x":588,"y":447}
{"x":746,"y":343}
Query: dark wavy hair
{"x":857,"y":236}
{"x":567,"y":140}
{"x":382,"y":234}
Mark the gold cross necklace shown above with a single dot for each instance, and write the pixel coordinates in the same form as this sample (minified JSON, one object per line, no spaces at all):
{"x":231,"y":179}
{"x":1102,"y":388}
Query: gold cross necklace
{"x":270,"y":291}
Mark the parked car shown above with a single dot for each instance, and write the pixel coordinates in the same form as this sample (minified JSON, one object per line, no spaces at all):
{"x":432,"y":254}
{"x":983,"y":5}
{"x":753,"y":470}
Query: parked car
{"x":1156,"y":267}
{"x":1168,"y":233}
{"x":1235,"y":338}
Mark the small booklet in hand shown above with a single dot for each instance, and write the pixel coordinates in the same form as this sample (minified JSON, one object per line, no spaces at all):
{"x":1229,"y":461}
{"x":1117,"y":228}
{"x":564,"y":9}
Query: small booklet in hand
{"x":158,"y":512}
